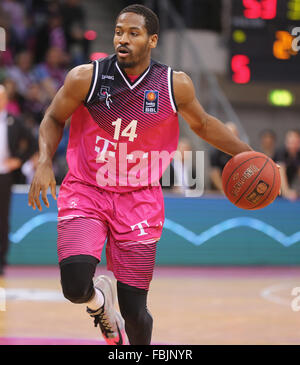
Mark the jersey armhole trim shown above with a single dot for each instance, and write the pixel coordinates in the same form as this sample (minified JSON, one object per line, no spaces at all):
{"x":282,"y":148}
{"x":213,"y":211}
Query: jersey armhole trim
{"x":171,"y":90}
{"x":93,"y":82}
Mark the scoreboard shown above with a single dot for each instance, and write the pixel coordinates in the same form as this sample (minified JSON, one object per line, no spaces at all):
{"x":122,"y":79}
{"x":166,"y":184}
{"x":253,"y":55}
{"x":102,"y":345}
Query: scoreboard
{"x":265,"y":41}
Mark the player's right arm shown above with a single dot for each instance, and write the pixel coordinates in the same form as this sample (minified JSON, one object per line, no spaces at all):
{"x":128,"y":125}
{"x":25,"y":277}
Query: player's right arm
{"x":63,"y":105}
{"x":209,"y":128}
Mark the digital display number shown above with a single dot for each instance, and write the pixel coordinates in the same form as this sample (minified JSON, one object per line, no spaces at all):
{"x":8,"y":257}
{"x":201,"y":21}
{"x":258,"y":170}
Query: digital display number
{"x":282,"y":48}
{"x":264,"y":9}
{"x":263,"y":41}
{"x":240,"y":69}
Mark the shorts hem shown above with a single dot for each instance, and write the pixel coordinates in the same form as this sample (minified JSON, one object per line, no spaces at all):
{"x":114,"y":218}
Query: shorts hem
{"x":78,"y":257}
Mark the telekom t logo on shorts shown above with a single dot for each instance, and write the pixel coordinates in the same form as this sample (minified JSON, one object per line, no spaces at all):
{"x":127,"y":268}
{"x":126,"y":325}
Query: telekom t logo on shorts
{"x":140,"y":226}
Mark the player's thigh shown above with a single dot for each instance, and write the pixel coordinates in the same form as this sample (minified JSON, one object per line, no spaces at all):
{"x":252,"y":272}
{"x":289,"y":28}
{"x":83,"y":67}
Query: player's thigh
{"x":80,"y":236}
{"x":138,"y":215}
{"x":132,"y":262}
{"x":134,"y":232}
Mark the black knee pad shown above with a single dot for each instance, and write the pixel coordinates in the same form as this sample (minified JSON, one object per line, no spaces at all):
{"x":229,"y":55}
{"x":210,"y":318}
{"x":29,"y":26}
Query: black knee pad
{"x":77,"y":274}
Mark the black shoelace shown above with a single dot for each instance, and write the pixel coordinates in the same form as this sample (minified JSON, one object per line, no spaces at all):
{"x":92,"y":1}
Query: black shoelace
{"x":103,"y":322}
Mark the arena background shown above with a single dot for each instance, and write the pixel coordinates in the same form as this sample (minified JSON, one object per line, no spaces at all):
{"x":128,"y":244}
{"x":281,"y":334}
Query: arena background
{"x":202,"y":38}
{"x":224,"y":235}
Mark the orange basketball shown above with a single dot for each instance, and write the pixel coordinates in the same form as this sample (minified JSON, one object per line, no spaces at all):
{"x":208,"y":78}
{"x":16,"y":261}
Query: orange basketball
{"x":251,"y":180}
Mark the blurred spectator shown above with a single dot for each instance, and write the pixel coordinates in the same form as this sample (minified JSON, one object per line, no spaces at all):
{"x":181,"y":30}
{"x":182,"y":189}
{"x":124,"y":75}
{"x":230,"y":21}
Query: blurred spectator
{"x":74,"y":26}
{"x":30,"y":40}
{"x":35,"y":105}
{"x":51,"y":33}
{"x":179,"y":175}
{"x":6,"y":57}
{"x":13,"y":104}
{"x":29,"y":167}
{"x":16,"y":13}
{"x":268,"y":143}
{"x":31,"y":123}
{"x":288,"y":157}
{"x":16,"y":146}
{"x":44,"y":39}
{"x":183,"y":166}
{"x":22,"y":73}
{"x":51,"y":73}
{"x":218,"y":160}
{"x":60,"y":165}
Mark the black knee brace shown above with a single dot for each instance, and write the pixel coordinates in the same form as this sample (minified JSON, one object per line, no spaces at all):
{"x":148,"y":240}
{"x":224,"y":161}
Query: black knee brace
{"x":77,"y":274}
{"x":133,"y":307}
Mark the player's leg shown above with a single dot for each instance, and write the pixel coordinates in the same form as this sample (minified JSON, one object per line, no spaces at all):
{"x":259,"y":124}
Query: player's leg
{"x":133,"y":308}
{"x":81,"y":237}
{"x":131,"y":251}
{"x":132,"y":264}
{"x":82,"y":231}
{"x":80,"y":242}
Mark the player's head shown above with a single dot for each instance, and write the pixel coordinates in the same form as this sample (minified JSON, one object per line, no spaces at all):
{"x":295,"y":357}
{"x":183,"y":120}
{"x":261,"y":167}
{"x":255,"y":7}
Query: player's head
{"x":136,"y":34}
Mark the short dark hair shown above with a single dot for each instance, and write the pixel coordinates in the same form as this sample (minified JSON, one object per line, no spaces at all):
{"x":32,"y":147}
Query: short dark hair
{"x":151,"y":19}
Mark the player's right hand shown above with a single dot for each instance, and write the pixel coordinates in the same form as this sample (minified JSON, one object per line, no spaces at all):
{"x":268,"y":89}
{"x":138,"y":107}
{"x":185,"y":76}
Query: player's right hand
{"x":43,"y":179}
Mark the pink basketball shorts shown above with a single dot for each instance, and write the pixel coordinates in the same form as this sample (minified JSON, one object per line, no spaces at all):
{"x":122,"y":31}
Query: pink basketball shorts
{"x":130,"y":224}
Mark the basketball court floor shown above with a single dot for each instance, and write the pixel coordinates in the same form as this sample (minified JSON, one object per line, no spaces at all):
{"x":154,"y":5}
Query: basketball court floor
{"x":190,"y":306}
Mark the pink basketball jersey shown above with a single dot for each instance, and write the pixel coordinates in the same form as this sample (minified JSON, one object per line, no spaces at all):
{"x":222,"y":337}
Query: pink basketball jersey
{"x":125,"y":134}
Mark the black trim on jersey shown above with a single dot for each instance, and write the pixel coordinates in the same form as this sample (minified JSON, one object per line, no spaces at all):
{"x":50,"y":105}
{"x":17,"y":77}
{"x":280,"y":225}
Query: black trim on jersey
{"x":172,"y":90}
{"x":92,"y":82}
{"x":107,"y":72}
{"x":138,"y":78}
{"x":105,"y":67}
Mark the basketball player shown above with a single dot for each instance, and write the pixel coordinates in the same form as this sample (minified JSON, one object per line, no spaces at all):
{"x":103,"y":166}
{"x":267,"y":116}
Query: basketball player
{"x":119,"y":105}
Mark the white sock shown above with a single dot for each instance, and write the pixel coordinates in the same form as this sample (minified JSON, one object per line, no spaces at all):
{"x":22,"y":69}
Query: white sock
{"x":97,"y":301}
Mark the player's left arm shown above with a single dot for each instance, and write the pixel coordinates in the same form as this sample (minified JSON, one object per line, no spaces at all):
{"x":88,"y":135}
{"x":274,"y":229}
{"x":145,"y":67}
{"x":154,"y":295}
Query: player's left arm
{"x":204,"y":125}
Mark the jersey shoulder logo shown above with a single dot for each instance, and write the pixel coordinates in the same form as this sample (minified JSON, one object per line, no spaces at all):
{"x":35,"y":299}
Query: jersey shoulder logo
{"x":151,"y":98}
{"x":104,"y":94}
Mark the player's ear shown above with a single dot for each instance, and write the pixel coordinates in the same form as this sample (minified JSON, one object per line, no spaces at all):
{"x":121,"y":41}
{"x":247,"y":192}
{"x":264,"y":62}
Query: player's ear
{"x":153,"y":39}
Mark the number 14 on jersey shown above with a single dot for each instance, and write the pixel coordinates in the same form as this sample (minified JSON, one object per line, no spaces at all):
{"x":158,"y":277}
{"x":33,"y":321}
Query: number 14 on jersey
{"x":129,"y":131}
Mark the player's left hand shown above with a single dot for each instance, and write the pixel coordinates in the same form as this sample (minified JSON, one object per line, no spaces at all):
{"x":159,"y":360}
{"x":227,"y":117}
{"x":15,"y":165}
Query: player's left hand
{"x":43,"y":179}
